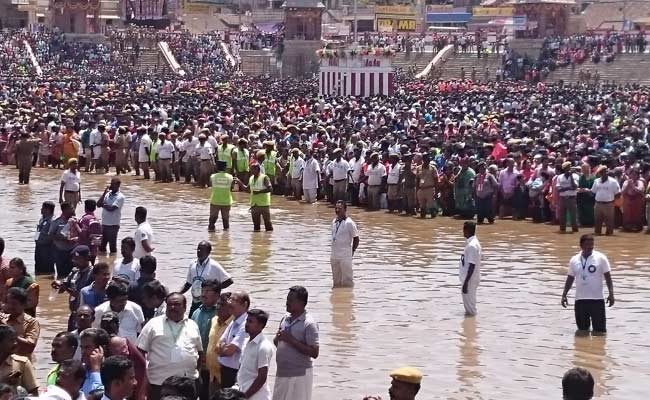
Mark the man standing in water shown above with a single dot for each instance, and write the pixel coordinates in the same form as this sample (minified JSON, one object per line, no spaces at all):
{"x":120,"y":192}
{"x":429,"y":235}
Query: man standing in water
{"x":470,"y":267}
{"x":143,"y":235}
{"x":70,"y":188}
{"x":345,"y":240}
{"x":589,"y":266}
{"x":221,"y":198}
{"x":260,"y":188}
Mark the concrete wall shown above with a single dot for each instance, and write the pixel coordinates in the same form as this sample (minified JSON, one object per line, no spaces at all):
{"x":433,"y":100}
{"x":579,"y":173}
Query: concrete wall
{"x":299,"y":57}
{"x":10,"y":17}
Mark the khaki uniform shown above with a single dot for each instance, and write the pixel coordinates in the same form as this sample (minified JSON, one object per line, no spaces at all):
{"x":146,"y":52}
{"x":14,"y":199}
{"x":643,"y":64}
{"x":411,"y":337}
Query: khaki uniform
{"x":121,"y":153}
{"x":22,"y":365}
{"x":24,"y":156}
{"x":427,"y":179}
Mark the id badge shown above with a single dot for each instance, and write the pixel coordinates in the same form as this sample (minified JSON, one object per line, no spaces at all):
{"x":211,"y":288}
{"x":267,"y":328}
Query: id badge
{"x":37,"y":235}
{"x":176,"y":354}
{"x":196,"y":288}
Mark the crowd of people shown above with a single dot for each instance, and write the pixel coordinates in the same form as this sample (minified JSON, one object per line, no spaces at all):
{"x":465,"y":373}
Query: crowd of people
{"x":563,"y":154}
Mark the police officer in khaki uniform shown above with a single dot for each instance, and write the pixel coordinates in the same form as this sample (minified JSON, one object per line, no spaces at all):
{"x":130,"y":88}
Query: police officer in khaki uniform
{"x":15,"y":370}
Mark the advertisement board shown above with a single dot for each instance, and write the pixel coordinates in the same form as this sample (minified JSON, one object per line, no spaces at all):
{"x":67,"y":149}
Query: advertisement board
{"x":493,"y":11}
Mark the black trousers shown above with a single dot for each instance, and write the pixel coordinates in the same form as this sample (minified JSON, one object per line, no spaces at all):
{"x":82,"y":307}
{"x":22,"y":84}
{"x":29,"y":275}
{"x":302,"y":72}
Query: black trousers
{"x":63,"y":263}
{"x":484,"y":209}
{"x":44,"y":258}
{"x":109,"y":236}
{"x":590,"y":313}
{"x":228,"y":377}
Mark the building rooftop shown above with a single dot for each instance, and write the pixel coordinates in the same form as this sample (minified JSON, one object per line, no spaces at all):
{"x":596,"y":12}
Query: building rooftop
{"x":606,"y":15}
{"x":303,"y":4}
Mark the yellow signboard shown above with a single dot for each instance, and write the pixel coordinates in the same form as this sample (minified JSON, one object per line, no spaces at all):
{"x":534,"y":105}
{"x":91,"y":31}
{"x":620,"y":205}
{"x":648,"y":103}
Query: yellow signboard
{"x":493,"y":11}
{"x":406,"y":25}
{"x":395,"y":10}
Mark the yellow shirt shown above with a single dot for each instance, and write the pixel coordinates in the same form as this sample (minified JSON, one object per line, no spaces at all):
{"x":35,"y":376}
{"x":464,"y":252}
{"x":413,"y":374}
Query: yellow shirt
{"x":211,"y":354}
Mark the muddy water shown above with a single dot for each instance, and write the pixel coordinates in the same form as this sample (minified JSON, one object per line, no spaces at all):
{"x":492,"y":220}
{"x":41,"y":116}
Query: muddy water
{"x":406,"y":306}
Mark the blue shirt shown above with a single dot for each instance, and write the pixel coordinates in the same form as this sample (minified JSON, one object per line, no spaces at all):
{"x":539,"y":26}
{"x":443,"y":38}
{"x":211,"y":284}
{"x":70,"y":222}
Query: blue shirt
{"x":91,"y":297}
{"x":203,"y":318}
{"x":92,"y":382}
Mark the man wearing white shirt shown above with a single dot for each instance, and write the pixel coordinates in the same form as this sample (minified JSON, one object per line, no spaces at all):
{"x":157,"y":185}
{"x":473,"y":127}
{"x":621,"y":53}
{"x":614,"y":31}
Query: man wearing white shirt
{"x":166,"y":154}
{"x":234,"y":339}
{"x":202,"y":269}
{"x":143,"y":154}
{"x":310,"y":178}
{"x":129,"y":313}
{"x":206,"y":156}
{"x":587,"y":269}
{"x":128,"y":267}
{"x":252,"y":376}
{"x":470,"y":267}
{"x":297,"y":164}
{"x":393,"y":181}
{"x":172,"y":345}
{"x":345,"y":240}
{"x":356,"y":165}
{"x":376,"y":172}
{"x":339,"y":169}
{"x":143,"y":235}
{"x":605,"y":190}
{"x":70,"y":188}
{"x":567,"y":186}
{"x":111,"y":202}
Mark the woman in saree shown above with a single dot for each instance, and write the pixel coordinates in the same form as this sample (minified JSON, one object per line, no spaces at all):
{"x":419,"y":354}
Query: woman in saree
{"x":22,"y":279}
{"x":632,"y":194}
{"x":464,"y":189}
{"x":585,"y":198}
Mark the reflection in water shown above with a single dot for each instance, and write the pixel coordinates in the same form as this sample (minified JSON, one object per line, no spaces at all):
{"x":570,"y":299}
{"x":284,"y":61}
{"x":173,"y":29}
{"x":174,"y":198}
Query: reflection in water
{"x":260,"y":252}
{"x":590,"y":352}
{"x":468,"y":371}
{"x":405,"y":308}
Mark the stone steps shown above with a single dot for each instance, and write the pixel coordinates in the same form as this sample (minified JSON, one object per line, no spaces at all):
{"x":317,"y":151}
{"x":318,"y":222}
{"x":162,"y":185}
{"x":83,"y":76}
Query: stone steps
{"x":406,"y":60}
{"x":451,"y":69}
{"x":626,"y":68}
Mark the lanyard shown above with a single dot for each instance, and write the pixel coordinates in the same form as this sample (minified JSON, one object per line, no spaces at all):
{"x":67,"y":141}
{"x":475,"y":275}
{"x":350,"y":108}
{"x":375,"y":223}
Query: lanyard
{"x":336,"y":231}
{"x":584,"y":265}
{"x":177,"y":334}
{"x":204,"y":265}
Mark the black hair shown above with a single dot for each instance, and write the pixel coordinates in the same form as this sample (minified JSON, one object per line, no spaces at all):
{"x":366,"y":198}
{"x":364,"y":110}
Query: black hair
{"x":578,"y":384}
{"x":116,"y":289}
{"x":2,"y":246}
{"x":148,"y":264}
{"x":183,"y":386}
{"x":20,"y":264}
{"x":212,"y":284}
{"x":100,"y":266}
{"x":342,"y":203}
{"x":49,"y":205}
{"x":69,"y":338}
{"x":66,"y":206}
{"x":470,"y":227}
{"x":7,"y":332}
{"x":129,"y":241}
{"x":586,"y":238}
{"x":99,"y":336}
{"x":154,"y":289}
{"x":114,"y":368}
{"x":301,"y":293}
{"x":260,"y":315}
{"x":19,"y":294}
{"x":141,"y":212}
{"x":5,"y":389}
{"x":90,"y":205}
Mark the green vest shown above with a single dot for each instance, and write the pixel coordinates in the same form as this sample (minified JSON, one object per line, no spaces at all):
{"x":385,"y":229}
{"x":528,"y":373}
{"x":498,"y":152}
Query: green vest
{"x":221,"y":185}
{"x":154,"y":150}
{"x":269,"y":163}
{"x":242,"y":161}
{"x":225,"y":155}
{"x":261,"y":199}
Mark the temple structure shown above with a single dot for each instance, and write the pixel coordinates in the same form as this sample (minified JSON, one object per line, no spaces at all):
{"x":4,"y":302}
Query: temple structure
{"x":302,"y":37}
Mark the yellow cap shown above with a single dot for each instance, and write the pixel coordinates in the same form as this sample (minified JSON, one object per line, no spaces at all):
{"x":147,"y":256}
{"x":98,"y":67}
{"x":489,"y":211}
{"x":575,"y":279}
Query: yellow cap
{"x":408,"y":375}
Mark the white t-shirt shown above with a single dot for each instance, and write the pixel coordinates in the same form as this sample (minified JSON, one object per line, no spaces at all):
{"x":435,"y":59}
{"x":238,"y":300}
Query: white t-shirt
{"x":339,"y":169}
{"x":605,"y":191}
{"x":71,"y":180}
{"x":145,"y":143}
{"x":471,"y":255}
{"x":131,"y":319}
{"x":393,"y":174}
{"x":131,"y":271}
{"x":375,"y":174}
{"x":209,"y":269}
{"x":298,"y":165}
{"x":165,"y":150}
{"x":112,"y":218}
{"x":588,"y":274}
{"x":311,"y":174}
{"x":257,"y":354}
{"x":142,"y":232}
{"x":342,"y":234}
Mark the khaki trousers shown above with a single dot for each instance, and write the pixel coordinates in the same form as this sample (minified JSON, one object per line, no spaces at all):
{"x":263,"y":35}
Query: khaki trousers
{"x":373,"y":197}
{"x":604,"y":212}
{"x":71,"y":198}
{"x":165,"y":167}
{"x":340,"y":190}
